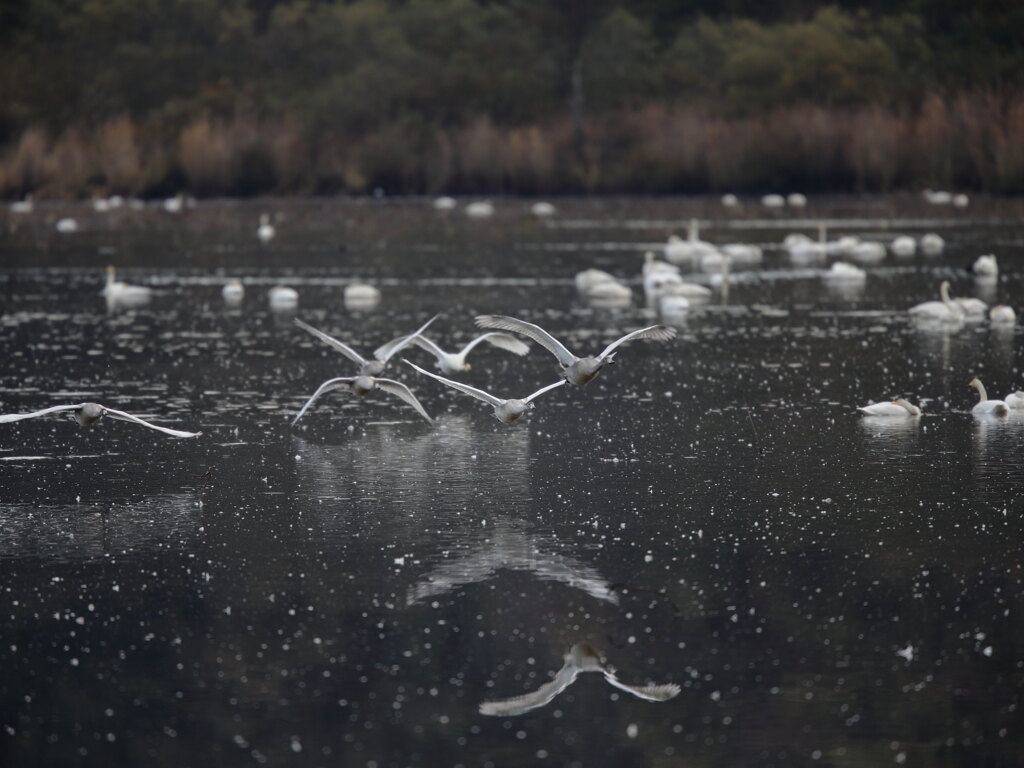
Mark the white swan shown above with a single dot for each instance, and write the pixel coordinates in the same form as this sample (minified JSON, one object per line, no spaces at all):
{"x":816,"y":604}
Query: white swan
{"x":946,"y":309}
{"x":362,"y":385}
{"x":961,"y":200}
{"x":773,"y":201}
{"x":23,"y":206}
{"x":932,"y":244}
{"x":480,"y":209}
{"x":283,"y":297}
{"x":743,"y":254}
{"x":804,"y":251}
{"x":1001,"y":314}
{"x":897,"y":409}
{"x":939,"y":197}
{"x":985,"y":266}
{"x":455,"y":362}
{"x":88,"y":414}
{"x":796,"y":200}
{"x":868,"y":251}
{"x":233,"y":292}
{"x":730,"y":200}
{"x":590,"y":278}
{"x":680,"y":251}
{"x":612,"y":292}
{"x":123,"y":293}
{"x":542,"y":209}
{"x":652,"y":264}
{"x":986,"y":407}
{"x":67,"y":225}
{"x":841,"y":271}
{"x":795,"y":238}
{"x":265,"y":231}
{"x":903,"y":245}
{"x":1015,"y":400}
{"x":445,"y":203}
{"x":506,"y":411}
{"x":175,"y":204}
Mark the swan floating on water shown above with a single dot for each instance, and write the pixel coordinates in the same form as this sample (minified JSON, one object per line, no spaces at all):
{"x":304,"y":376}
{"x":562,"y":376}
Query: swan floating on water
{"x":946,"y":309}
{"x":88,"y":414}
{"x":265,"y":231}
{"x":1015,"y":400}
{"x":233,"y":292}
{"x":282,"y":297}
{"x":480,"y":209}
{"x":841,"y":271}
{"x":903,"y":245}
{"x":985,"y":266}
{"x":445,"y":203}
{"x":577,"y":370}
{"x":730,"y":200}
{"x":1001,"y":314}
{"x":773,"y":201}
{"x":67,"y":225}
{"x":897,"y":409}
{"x":986,"y":407}
{"x":506,"y":411}
{"x":932,"y":244}
{"x":542,"y":209}
{"x":23,"y":206}
{"x":796,"y":200}
{"x":680,"y":251}
{"x":117,"y":292}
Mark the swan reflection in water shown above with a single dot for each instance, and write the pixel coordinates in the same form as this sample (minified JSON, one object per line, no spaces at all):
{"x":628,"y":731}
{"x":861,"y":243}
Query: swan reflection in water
{"x":582,"y":657}
{"x":509,"y":547}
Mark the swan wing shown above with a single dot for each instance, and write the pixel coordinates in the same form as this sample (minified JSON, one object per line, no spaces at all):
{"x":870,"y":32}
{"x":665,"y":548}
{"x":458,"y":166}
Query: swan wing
{"x":387,"y":351}
{"x":500,"y":340}
{"x":345,"y":349}
{"x":479,"y":394}
{"x":424,"y":343}
{"x":54,"y":409}
{"x":646,"y":692}
{"x":122,"y":416}
{"x":328,"y":386}
{"x":535,"y":332}
{"x":518,"y":705}
{"x":883,"y":409}
{"x":399,"y":389}
{"x":655,"y":332}
{"x":558,"y":383}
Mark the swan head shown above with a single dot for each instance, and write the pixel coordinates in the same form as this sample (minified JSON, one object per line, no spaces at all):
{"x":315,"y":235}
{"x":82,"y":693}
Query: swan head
{"x":910,"y":408}
{"x":88,"y":414}
{"x":974,"y":383}
{"x":363,"y":385}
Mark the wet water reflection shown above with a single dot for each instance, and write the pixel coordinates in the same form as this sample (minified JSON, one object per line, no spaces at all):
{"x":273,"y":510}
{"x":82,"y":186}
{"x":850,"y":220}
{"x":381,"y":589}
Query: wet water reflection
{"x":778,"y":579}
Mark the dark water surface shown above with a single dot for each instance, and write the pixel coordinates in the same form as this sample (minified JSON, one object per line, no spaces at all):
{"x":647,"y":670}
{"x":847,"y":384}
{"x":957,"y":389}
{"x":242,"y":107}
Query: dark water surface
{"x":825,"y":589}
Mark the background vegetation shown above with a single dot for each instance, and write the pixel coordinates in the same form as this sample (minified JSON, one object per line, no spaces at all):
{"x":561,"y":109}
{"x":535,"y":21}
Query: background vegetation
{"x":245,"y":97}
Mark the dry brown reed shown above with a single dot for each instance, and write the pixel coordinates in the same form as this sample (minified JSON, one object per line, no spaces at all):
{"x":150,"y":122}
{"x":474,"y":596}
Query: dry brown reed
{"x":969,"y":142}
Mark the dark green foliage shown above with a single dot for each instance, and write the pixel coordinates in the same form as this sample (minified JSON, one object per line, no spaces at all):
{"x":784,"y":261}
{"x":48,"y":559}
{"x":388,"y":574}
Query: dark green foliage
{"x":391,"y":76}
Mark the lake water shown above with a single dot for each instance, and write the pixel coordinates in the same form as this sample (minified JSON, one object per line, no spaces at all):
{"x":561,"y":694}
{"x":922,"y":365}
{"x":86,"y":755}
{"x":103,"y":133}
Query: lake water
{"x":712,"y":512}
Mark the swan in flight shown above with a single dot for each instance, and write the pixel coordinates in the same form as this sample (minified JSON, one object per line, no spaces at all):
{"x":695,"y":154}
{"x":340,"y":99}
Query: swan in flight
{"x":897,"y":409}
{"x":88,"y":414}
{"x":946,"y":309}
{"x":455,"y":362}
{"x":363,"y":385}
{"x":506,"y":411}
{"x":381,"y":356}
{"x":577,"y":370}
{"x":123,"y":293}
{"x":582,"y":657}
{"x":984,"y":406}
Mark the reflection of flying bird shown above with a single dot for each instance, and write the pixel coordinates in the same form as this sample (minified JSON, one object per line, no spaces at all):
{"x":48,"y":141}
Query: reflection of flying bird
{"x":88,"y":414}
{"x":508,"y":548}
{"x":364,"y":385}
{"x":506,"y":411}
{"x":577,"y":370}
{"x":382,"y":355}
{"x":582,"y":657}
{"x":455,"y":362}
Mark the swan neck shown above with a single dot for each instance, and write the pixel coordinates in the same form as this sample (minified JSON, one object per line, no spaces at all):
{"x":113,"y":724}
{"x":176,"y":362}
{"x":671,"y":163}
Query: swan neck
{"x":944,"y":293}
{"x":822,"y":237}
{"x":981,"y":391}
{"x":694,"y":230}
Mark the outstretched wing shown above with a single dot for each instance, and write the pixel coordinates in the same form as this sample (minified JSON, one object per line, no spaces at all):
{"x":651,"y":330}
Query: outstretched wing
{"x":519,"y":705}
{"x":655,"y":332}
{"x":558,"y":383}
{"x":55,"y":409}
{"x":122,"y":416}
{"x":328,"y":386}
{"x":345,"y":349}
{"x":646,"y":692}
{"x":500,"y":340}
{"x":424,"y":343}
{"x":479,"y":394}
{"x":400,"y":390}
{"x":535,"y":332}
{"x":387,"y":351}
